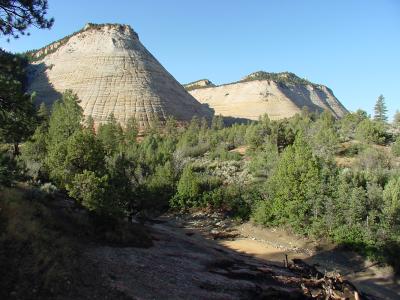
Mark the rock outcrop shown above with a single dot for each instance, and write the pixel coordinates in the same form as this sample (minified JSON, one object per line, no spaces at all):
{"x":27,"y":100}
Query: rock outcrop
{"x":112,"y":73}
{"x":280,"y":95}
{"x":199,"y":84}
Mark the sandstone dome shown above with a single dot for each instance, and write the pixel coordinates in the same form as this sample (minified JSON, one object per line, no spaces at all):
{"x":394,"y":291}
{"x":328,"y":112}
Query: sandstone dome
{"x":112,"y":73}
{"x":279,"y":95}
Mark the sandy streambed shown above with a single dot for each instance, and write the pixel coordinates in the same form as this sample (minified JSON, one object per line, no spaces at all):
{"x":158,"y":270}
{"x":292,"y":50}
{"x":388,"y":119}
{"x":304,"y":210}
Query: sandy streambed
{"x":273,"y":244}
{"x":189,"y":261}
{"x":205,"y":256}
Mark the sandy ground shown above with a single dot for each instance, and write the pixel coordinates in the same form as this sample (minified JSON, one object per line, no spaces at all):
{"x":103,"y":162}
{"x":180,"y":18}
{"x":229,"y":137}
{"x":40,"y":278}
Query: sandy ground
{"x":206,"y":257}
{"x":272,"y":245}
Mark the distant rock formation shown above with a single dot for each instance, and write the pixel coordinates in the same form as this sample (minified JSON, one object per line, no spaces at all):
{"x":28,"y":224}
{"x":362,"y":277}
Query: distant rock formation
{"x":202,"y":83}
{"x":280,"y":95}
{"x":112,"y":73}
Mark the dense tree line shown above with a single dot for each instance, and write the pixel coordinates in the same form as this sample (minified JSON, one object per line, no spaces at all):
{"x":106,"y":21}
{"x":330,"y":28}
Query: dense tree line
{"x":289,"y":173}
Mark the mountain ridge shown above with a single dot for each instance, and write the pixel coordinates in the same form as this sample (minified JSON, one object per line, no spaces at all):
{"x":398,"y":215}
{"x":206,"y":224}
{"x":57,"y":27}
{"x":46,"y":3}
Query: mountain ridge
{"x":284,"y":76}
{"x":280,"y":95}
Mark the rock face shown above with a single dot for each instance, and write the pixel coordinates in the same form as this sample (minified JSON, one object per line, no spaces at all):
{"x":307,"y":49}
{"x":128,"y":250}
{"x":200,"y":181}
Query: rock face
{"x":112,"y":73}
{"x":280,"y":95}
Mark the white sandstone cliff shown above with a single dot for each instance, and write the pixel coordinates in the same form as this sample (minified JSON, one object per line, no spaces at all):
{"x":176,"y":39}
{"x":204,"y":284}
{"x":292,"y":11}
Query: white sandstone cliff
{"x":112,"y":73}
{"x":282,"y":95}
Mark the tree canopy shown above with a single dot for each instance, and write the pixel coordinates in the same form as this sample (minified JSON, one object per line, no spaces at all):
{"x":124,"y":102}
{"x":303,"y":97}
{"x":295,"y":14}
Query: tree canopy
{"x":17,"y":15}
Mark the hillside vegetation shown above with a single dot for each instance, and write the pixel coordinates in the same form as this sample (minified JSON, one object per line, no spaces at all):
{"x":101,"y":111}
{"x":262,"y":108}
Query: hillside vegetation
{"x":283,"y":173}
{"x":287,"y":177}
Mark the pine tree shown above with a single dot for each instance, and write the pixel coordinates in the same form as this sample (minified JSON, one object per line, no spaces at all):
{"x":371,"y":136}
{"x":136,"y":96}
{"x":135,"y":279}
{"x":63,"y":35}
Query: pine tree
{"x":217,"y":122}
{"x":89,"y":124}
{"x":18,"y":117}
{"x":391,"y":199}
{"x":131,"y":131}
{"x":380,"y":110}
{"x":188,"y":189}
{"x":295,"y":186}
{"x":65,"y":119}
{"x":16,"y":16}
{"x":43,"y":113}
{"x":111,"y":135}
{"x":324,"y":137}
{"x":81,"y":151}
{"x":396,"y":119}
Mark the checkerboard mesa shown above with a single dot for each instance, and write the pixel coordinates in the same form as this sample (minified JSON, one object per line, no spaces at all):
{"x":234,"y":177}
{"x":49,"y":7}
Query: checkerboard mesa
{"x":111,"y":71}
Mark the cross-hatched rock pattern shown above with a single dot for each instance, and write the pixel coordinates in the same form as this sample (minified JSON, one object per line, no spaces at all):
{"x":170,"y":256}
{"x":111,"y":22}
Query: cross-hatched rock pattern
{"x":112,"y":73}
{"x":250,"y":98}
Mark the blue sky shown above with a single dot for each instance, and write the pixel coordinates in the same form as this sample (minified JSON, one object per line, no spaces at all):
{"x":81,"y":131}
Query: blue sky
{"x":351,"y":46}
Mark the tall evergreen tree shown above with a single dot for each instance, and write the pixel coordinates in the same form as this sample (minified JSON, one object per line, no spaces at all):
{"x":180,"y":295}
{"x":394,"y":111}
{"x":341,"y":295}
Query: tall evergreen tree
{"x":89,"y":124}
{"x":131,"y":131}
{"x":43,"y":113}
{"x":17,"y":112}
{"x":17,"y":15}
{"x":65,"y":119}
{"x":295,"y":187}
{"x":324,"y":138}
{"x":396,"y":119}
{"x":391,"y":198}
{"x":380,"y":110}
{"x":34,"y":151}
{"x":217,"y":122}
{"x":111,"y":135}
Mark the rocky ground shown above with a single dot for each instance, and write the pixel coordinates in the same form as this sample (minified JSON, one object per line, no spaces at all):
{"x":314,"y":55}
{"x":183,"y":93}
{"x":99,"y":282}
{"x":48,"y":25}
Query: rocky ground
{"x":51,"y":249}
{"x":188,"y":261}
{"x":274,"y":245}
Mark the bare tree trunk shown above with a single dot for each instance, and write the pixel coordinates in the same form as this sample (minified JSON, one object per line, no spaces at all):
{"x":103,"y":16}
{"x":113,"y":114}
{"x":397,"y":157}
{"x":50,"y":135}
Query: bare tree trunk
{"x":16,"y":151}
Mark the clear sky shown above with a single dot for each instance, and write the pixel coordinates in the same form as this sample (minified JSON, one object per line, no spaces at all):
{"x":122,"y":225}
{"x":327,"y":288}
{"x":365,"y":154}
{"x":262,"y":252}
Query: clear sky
{"x":352,"y":46}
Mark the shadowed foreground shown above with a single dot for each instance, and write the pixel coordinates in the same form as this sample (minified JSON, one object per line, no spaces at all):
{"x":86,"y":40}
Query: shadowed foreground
{"x":51,"y":248}
{"x":183,"y":264}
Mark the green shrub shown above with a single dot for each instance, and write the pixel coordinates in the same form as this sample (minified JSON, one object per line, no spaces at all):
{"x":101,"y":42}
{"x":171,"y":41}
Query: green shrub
{"x":188,"y":190}
{"x":396,"y":147}
{"x":81,"y":151}
{"x":371,"y":132}
{"x":262,"y":212}
{"x":348,"y":235}
{"x":349,"y":123}
{"x":354,"y":149}
{"x":231,"y":199}
{"x":372,"y":159}
{"x":194,"y":151}
{"x":222,"y":154}
{"x":95,"y":193}
{"x":264,"y":161}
